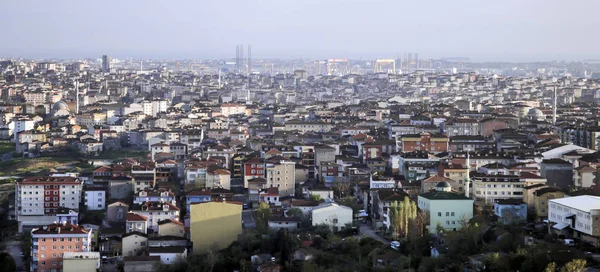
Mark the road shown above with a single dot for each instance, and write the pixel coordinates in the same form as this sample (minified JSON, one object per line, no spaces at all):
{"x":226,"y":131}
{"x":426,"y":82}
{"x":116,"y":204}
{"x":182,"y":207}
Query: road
{"x":366,"y":230}
{"x":248,"y":220}
{"x":14,"y":249}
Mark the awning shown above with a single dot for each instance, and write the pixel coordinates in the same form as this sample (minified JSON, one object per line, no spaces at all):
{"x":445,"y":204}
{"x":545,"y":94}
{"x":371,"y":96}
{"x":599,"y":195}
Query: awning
{"x":560,"y":225}
{"x":569,"y":215}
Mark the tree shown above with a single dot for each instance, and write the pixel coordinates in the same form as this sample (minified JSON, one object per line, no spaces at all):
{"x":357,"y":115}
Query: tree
{"x":577,"y":265}
{"x":295,"y":212}
{"x":400,"y":215}
{"x":351,"y":203}
{"x":315,"y":197}
{"x":7,"y":262}
{"x":551,"y":267}
{"x":263,"y":213}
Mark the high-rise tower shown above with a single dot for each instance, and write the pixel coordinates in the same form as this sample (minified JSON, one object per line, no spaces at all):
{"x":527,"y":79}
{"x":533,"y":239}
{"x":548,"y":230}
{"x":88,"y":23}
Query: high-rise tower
{"x":106,"y":63}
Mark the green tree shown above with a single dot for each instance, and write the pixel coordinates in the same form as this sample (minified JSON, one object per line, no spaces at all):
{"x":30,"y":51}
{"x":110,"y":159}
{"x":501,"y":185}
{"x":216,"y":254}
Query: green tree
{"x":263,"y":213}
{"x":401,"y":213}
{"x":295,"y":212}
{"x":551,"y":267}
{"x":315,"y":197}
{"x":7,"y":262}
{"x":351,"y":203}
{"x":577,"y":265}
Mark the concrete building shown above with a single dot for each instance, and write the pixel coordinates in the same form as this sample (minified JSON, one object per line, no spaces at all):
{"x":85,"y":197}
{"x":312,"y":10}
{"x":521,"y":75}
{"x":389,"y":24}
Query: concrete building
{"x":281,"y":174}
{"x":168,"y":255}
{"x":332,"y":215}
{"x":510,"y":211}
{"x":95,"y":200}
{"x":133,"y":243}
{"x":214,"y":225}
{"x":156,"y":212}
{"x":171,"y":228}
{"x":446,"y":209}
{"x":81,"y":261}
{"x":37,"y":199}
{"x":558,"y":172}
{"x":50,"y":242}
{"x":577,"y":216}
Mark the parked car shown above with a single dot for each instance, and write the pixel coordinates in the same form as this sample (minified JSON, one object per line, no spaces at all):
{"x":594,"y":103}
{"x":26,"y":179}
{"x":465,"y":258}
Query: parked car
{"x":395,"y":245}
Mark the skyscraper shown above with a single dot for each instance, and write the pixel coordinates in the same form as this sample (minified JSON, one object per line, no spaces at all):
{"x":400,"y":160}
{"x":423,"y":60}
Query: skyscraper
{"x":106,"y":63}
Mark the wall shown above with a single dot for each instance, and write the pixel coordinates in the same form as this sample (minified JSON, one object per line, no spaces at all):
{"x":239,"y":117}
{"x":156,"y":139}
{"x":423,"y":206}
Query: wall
{"x":214,"y":225}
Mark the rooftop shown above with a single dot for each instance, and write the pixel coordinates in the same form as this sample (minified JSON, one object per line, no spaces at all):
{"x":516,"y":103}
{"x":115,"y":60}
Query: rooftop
{"x":585,"y":203}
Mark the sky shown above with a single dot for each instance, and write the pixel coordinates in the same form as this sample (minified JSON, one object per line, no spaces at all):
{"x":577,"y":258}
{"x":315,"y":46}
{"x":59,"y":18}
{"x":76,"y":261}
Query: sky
{"x":507,"y":30}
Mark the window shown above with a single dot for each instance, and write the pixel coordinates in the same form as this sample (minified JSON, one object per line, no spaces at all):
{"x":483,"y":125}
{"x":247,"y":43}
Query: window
{"x":439,"y":214}
{"x":447,"y":213}
{"x":54,"y":247}
{"x":452,"y":213}
{"x":335,"y":220}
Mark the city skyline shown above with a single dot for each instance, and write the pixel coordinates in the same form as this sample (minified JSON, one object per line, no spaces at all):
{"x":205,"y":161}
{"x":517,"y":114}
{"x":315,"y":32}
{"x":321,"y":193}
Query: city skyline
{"x":509,"y":31}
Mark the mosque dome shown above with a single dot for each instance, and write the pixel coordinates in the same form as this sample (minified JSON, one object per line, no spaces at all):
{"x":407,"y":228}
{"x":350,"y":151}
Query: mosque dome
{"x":60,"y":108}
{"x":443,"y":186}
{"x":536,"y":114}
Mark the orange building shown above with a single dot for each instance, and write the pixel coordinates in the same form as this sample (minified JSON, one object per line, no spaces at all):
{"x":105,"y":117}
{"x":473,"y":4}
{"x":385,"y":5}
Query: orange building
{"x":424,"y":142}
{"x":49,"y":243}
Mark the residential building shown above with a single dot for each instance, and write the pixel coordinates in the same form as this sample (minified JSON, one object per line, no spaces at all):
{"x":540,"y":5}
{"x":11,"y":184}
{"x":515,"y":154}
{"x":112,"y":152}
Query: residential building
{"x":446,"y":209}
{"x":510,"y":211}
{"x":541,"y":199}
{"x":558,"y":172}
{"x":136,"y":223}
{"x":140,"y":263}
{"x":117,"y":212}
{"x":37,"y":199}
{"x":133,"y":243}
{"x":423,"y":142}
{"x":281,"y":174}
{"x":488,"y":188}
{"x":214,"y":225}
{"x":50,"y":242}
{"x":253,"y":168}
{"x":171,"y":228}
{"x":95,"y":199}
{"x":156,"y":212}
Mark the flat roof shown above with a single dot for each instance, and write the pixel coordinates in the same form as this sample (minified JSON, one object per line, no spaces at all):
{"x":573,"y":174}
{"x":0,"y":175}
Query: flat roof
{"x":81,"y":255}
{"x":584,"y":203}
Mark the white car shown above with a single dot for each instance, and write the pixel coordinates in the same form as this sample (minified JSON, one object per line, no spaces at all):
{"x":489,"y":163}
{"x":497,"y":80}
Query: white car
{"x":395,"y":245}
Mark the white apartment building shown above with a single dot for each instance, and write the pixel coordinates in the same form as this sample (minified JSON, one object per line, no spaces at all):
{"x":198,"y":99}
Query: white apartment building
{"x":581,"y":214}
{"x":488,"y":188}
{"x":232,"y":109}
{"x":283,"y":176}
{"x":95,"y":200}
{"x":156,"y":212}
{"x":38,"y":199}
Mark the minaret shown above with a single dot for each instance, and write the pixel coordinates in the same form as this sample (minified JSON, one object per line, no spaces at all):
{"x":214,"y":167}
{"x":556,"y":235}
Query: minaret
{"x":554,"y":108}
{"x":76,"y":96}
{"x":467,"y":179}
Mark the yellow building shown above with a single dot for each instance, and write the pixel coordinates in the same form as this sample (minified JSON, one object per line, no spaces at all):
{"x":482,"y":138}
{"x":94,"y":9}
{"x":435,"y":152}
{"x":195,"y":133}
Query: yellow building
{"x":171,"y":228}
{"x":214,"y":225}
{"x":541,"y":198}
{"x":81,"y":261}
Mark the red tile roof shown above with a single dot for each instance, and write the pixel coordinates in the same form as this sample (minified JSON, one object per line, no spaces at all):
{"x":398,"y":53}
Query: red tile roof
{"x":136,"y":217}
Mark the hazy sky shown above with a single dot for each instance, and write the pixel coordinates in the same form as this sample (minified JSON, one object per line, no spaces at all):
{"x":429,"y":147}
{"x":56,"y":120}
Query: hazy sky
{"x":509,"y":30}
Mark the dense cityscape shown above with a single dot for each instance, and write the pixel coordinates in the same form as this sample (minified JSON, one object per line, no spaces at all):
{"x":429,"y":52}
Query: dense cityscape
{"x":400,"y":164}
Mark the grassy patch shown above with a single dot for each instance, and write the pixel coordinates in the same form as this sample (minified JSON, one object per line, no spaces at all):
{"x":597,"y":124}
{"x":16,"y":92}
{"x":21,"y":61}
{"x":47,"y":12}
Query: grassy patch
{"x":28,"y":165}
{"x":122,"y":154}
{"x":7,"y":147}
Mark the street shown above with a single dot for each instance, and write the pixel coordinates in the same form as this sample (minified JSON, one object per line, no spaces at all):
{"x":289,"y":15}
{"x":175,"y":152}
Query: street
{"x":14,"y":249}
{"x":248,"y":220}
{"x":366,"y":230}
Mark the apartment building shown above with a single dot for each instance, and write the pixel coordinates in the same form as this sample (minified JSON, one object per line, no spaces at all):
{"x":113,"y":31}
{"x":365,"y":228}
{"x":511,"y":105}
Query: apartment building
{"x":281,"y":174}
{"x":156,"y":212}
{"x":423,"y":142}
{"x":50,"y":242}
{"x":489,"y":188}
{"x":446,"y":209}
{"x":38,"y":198}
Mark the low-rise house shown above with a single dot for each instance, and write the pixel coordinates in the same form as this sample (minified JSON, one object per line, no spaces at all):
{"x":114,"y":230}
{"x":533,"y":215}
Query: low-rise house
{"x":510,"y":210}
{"x":134,"y":243}
{"x":278,"y":222}
{"x":136,"y":223}
{"x":333,"y":215}
{"x":171,"y":227}
{"x":117,"y":211}
{"x":168,"y":254}
{"x":81,"y":261}
{"x":156,"y":212}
